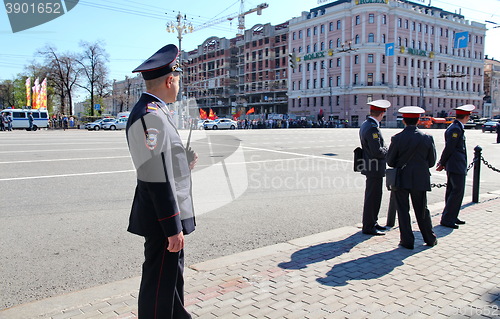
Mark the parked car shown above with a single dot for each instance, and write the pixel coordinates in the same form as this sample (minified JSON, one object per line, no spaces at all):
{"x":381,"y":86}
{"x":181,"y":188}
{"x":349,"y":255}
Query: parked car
{"x":221,"y":124}
{"x":98,"y":124}
{"x":201,"y":124}
{"x":490,"y":126}
{"x":470,"y":125}
{"x":116,"y":124}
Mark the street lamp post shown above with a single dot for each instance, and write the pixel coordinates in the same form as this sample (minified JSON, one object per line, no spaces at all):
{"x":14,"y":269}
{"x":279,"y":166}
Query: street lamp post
{"x":421,"y":84}
{"x":181,"y":26}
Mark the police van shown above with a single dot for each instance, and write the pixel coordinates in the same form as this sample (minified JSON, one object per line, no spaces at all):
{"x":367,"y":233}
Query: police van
{"x":20,"y":118}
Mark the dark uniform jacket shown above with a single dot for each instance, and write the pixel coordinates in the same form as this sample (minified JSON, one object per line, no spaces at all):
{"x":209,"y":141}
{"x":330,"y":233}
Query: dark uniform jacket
{"x":374,"y":151}
{"x":162,"y":202}
{"x":416,"y":174}
{"x":454,"y":156}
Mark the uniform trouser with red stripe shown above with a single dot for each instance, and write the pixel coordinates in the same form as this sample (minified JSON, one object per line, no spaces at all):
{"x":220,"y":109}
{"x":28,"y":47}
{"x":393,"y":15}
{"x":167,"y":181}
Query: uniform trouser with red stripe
{"x":161,"y":295}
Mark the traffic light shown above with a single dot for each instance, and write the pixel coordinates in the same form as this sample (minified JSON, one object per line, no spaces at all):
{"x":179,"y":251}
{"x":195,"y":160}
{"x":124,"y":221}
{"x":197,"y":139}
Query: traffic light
{"x":292,"y":60}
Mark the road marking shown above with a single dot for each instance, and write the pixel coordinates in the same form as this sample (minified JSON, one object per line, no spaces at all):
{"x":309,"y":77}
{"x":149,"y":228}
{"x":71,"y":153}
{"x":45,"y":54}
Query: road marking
{"x":64,"y":175}
{"x":67,"y":150}
{"x":65,"y":159}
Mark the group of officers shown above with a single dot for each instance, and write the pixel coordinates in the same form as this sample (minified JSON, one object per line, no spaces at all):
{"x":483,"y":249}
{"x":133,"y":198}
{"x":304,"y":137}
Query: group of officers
{"x":162,"y":210}
{"x":413,"y":153}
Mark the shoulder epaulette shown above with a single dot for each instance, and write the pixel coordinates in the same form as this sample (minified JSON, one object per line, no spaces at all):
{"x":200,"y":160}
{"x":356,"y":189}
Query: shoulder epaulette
{"x":152,"y":107}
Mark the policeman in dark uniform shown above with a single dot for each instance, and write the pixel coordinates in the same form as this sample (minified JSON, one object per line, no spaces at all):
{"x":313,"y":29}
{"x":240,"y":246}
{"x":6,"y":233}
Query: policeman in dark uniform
{"x":162,"y":209}
{"x":413,"y":152}
{"x":374,"y":152}
{"x":454,"y":160}
{"x":497,"y":129}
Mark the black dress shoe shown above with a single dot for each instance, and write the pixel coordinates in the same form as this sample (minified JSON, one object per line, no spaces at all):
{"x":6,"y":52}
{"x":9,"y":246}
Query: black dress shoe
{"x":389,"y":225}
{"x":450,"y":225}
{"x":374,"y":232}
{"x":460,"y":222}
{"x":406,"y":246}
{"x":432,"y":244}
{"x":378,"y":227}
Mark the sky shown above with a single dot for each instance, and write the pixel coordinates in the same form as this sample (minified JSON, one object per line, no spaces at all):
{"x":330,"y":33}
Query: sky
{"x":132,"y":30}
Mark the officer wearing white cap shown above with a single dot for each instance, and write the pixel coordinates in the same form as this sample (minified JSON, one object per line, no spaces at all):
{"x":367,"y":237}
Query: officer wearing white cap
{"x":374,"y":152}
{"x":413,"y":152}
{"x":454,"y":160}
{"x":162,"y":209}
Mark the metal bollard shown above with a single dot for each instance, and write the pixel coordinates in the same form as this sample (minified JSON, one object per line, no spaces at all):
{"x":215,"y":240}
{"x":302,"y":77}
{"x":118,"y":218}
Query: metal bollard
{"x":477,"y":173}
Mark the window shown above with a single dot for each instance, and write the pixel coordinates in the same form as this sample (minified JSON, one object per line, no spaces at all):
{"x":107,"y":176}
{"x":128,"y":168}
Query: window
{"x":369,"y":79}
{"x":371,"y":18}
{"x":358,"y":20}
{"x":338,"y":62}
{"x":406,"y":24}
{"x":355,"y":100}
{"x":383,"y":38}
{"x":294,"y":35}
{"x":315,"y":30}
{"x":356,"y":39}
{"x":338,"y":100}
{"x":322,"y":28}
{"x":308,"y":32}
{"x":371,"y":38}
{"x":339,"y":43}
{"x":330,"y":63}
{"x":330,"y":44}
{"x":370,"y":58}
{"x":330,"y":82}
{"x":330,"y":26}
{"x":356,"y":59}
{"x":356,"y":78}
{"x":400,"y":23}
{"x":322,"y":47}
{"x":338,"y":80}
{"x":399,"y":41}
{"x":300,"y":34}
{"x":339,"y":25}
{"x":384,"y":19}
{"x":383,"y":78}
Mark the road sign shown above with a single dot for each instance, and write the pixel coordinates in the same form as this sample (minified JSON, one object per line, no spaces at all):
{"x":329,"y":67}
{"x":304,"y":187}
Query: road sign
{"x":461,"y":40}
{"x":389,"y":49}
{"x":97,"y":107}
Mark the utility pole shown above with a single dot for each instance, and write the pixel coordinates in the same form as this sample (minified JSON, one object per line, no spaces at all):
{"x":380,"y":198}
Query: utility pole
{"x":181,"y":26}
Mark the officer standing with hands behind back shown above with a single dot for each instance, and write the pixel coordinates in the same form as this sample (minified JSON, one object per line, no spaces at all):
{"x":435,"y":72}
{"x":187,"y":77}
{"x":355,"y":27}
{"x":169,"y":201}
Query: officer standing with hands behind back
{"x":454,"y":160}
{"x":374,"y":152}
{"x":413,"y":153}
{"x":162,"y":209}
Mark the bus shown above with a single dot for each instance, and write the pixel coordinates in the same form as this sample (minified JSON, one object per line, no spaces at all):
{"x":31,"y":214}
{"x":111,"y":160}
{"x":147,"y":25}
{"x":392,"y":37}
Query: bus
{"x":20,"y":118}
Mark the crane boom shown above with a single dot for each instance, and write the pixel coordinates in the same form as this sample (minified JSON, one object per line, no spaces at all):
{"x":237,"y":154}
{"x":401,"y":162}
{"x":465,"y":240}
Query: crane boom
{"x":240,"y":16}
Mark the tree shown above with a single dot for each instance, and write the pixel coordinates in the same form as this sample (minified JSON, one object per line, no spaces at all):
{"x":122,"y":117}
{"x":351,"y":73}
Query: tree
{"x":63,"y":75}
{"x":94,"y":71}
{"x":7,"y":97}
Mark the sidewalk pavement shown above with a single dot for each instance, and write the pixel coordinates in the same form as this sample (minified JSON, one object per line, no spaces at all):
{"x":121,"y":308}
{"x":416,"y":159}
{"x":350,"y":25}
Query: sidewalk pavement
{"x":336,"y":274}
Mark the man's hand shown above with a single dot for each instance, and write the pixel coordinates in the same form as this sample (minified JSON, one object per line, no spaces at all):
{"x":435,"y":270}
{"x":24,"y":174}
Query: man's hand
{"x":175,"y":242}
{"x":192,"y":158}
{"x":439,"y":167}
{"x":192,"y":164}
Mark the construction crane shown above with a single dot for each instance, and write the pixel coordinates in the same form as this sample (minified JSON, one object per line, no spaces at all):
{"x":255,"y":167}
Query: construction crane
{"x":241,"y":17}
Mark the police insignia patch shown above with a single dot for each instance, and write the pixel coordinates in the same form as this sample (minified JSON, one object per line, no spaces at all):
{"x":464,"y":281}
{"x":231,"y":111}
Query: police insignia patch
{"x":375,"y":135}
{"x":152,"y":138}
{"x":455,"y":135}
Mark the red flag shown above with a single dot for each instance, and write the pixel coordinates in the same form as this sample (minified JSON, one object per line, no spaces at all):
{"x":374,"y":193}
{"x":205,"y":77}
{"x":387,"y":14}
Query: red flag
{"x":203,"y":114}
{"x":250,"y":111}
{"x":237,"y":115}
{"x":211,"y":115}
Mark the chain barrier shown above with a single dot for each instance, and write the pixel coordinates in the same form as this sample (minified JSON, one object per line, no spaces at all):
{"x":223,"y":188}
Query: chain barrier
{"x":468,"y":169}
{"x":489,"y":165}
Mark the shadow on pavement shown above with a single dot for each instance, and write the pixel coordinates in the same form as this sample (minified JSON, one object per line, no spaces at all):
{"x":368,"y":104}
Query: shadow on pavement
{"x":322,"y":252}
{"x":366,"y":268}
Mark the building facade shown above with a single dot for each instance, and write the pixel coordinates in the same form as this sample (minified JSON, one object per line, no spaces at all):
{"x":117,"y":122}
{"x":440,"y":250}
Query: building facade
{"x":491,"y":88}
{"x":234,"y":75}
{"x":125,"y":94}
{"x":349,"y":52}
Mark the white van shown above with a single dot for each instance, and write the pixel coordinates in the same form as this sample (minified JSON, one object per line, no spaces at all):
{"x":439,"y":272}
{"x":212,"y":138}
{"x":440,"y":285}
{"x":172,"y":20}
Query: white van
{"x":20,"y":118}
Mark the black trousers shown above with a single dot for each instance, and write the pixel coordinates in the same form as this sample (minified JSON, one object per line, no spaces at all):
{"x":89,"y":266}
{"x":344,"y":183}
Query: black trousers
{"x":161,"y":295}
{"x":419,"y":202}
{"x":455,"y":189}
{"x":373,"y":198}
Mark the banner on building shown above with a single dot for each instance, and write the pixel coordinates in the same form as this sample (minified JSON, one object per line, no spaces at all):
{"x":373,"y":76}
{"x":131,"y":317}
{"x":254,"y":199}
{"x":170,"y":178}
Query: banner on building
{"x":461,"y":40}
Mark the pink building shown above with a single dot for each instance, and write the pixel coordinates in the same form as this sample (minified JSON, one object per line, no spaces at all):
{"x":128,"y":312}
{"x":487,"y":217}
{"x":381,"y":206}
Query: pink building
{"x":349,"y":52}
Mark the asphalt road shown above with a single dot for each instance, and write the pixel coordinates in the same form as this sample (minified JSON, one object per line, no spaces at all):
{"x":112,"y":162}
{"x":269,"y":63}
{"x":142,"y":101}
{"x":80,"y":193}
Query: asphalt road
{"x":66,"y":195}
